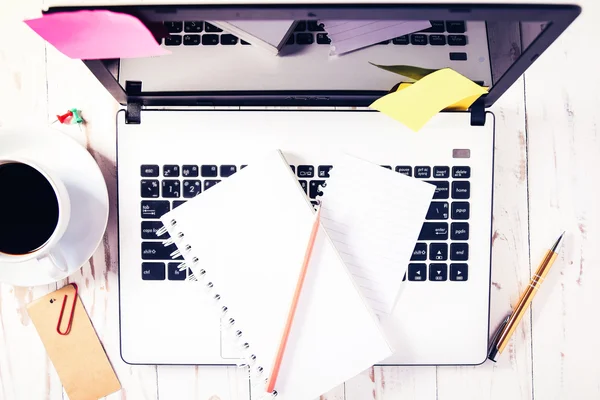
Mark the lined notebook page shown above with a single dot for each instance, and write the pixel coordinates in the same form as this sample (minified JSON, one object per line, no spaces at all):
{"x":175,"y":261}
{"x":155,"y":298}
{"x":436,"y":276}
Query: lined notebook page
{"x":251,"y":239}
{"x":374,"y":230}
{"x":355,"y":34}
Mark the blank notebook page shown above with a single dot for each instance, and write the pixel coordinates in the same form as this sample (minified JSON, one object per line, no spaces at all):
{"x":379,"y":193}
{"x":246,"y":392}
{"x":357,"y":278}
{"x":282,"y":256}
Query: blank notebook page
{"x":251,"y":239}
{"x":375,"y":229}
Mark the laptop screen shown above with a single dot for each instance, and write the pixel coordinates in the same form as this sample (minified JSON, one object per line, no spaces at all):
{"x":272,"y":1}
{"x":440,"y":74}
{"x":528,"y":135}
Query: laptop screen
{"x":328,"y":55}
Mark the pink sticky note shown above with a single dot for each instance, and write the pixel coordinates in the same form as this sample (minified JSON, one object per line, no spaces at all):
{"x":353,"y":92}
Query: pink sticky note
{"x":98,"y":34}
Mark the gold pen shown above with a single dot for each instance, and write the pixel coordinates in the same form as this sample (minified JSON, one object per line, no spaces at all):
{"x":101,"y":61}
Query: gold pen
{"x":508,"y":326}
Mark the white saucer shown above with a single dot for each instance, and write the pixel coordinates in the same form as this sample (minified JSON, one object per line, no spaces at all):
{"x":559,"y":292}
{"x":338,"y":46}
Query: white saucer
{"x":87,"y":191}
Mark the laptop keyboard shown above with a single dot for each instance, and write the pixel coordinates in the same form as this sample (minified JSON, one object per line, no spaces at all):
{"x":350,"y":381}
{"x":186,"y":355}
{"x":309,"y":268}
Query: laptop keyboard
{"x":196,"y":33}
{"x":441,"y":253}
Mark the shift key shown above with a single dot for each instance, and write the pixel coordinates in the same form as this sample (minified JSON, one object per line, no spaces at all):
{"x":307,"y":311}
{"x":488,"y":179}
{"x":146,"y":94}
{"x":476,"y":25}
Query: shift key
{"x":434,"y":231}
{"x":157,"y":251}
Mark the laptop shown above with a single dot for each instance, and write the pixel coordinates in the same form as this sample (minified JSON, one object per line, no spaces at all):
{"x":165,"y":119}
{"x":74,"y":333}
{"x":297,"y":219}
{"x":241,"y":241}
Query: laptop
{"x":195,"y":117}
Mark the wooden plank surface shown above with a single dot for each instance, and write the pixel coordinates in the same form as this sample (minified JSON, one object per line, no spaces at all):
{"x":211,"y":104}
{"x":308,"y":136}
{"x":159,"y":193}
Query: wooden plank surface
{"x":544,"y":181}
{"x":563,"y":104}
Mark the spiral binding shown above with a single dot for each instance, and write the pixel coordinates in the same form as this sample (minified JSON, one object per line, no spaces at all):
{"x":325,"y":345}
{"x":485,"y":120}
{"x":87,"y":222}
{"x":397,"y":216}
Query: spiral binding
{"x":228,"y":322}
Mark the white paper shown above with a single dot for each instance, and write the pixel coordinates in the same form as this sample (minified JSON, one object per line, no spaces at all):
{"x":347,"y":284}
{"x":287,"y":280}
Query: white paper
{"x":251,"y":239}
{"x":355,"y":34}
{"x":374,"y":229}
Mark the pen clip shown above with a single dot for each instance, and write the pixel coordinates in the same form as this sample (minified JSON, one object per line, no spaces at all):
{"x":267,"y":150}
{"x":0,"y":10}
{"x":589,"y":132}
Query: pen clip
{"x":493,"y":349}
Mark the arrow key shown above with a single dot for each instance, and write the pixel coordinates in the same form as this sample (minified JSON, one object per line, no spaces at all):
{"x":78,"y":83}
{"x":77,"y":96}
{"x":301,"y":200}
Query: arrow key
{"x":417,"y":272}
{"x":459,"y":272}
{"x":438,"y":251}
{"x":438,"y":272}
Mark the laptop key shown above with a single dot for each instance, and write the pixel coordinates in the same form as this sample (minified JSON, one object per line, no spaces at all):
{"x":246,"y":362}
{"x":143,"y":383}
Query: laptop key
{"x":419,"y":252}
{"x":189,"y":171}
{"x":290,"y":39}
{"x":174,"y":26}
{"x":304,"y":38}
{"x":461,"y":190}
{"x":384,"y":42}
{"x":457,"y":40}
{"x":170,"y":170}
{"x":149,"y":188}
{"x":175,"y":274}
{"x":149,"y":170}
{"x":149,"y":229}
{"x":191,"y":188}
{"x":437,"y":40}
{"x":459,"y":231}
{"x":401,"y":40}
{"x":418,"y":39}
{"x":300,"y":26}
{"x":315,"y":189}
{"x":417,"y":272}
{"x":422,"y":172}
{"x":460,"y":210}
{"x":456,"y":26}
{"x":438,"y":272}
{"x":158,"y":251}
{"x":153,"y":271}
{"x":442,"y":189}
{"x":324,"y":170}
{"x":437,"y":210}
{"x":306,"y":171}
{"x":211,"y":28}
{"x":245,"y":43}
{"x":209,"y":171}
{"x":191,"y":40}
{"x":227,"y":170}
{"x":208,"y":183}
{"x":404,"y":169}
{"x":193,"y":26}
{"x":323,"y":38}
{"x":171,"y":189}
{"x":154,"y":209}
{"x":304,"y":185}
{"x":438,"y":251}
{"x":434,"y":231}
{"x":210,"y":40}
{"x":441,"y":172}
{"x":177,"y":203}
{"x":228,"y":39}
{"x":461,"y":172}
{"x":293,"y":168}
{"x":459,"y":251}
{"x":173,"y":40}
{"x":315,"y":26}
{"x":459,"y":272}
{"x":436,"y":27}
{"x":386,"y":166}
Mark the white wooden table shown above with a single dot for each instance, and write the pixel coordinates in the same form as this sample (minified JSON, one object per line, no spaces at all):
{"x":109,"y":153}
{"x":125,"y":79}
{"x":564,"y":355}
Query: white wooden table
{"x":547,"y":178}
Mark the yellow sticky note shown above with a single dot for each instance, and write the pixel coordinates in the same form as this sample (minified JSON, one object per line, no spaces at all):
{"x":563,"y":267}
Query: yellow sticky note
{"x":415,"y":105}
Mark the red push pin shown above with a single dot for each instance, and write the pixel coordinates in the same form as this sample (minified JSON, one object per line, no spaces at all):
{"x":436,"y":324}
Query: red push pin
{"x":65,"y":117}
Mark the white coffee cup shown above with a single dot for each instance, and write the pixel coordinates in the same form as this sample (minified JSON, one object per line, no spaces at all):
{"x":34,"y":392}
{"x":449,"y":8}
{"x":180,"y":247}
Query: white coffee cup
{"x":49,"y":255}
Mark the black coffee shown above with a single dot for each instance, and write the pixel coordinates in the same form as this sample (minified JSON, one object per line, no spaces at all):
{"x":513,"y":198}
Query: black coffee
{"x":28,"y":209}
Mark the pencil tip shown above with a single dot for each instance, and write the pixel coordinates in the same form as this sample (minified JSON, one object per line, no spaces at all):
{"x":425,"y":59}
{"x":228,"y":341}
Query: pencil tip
{"x":558,"y":241}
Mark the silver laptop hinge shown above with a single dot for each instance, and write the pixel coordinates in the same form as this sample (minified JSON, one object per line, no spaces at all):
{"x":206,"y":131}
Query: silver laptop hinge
{"x":478,"y":113}
{"x":134,"y":106}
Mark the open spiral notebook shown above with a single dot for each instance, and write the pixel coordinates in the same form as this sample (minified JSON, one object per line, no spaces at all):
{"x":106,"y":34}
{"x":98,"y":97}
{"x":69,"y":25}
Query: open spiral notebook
{"x":252,"y":252}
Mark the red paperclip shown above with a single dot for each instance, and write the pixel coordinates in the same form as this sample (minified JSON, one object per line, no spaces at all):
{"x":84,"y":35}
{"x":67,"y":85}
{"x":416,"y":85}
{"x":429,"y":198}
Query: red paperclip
{"x":62,"y":311}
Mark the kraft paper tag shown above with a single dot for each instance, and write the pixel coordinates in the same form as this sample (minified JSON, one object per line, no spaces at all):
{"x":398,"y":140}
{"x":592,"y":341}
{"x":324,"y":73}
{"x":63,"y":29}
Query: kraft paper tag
{"x":78,"y":357}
